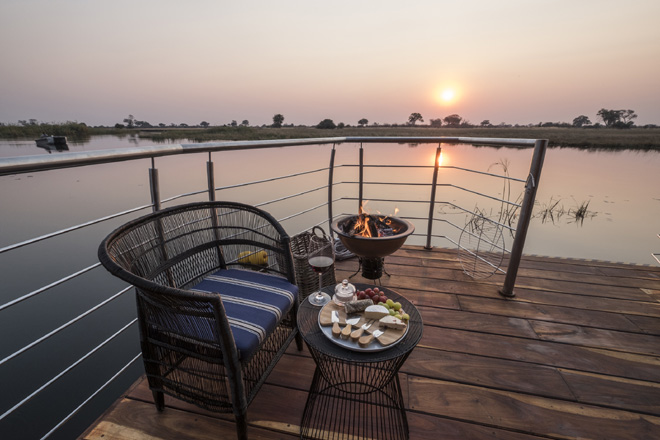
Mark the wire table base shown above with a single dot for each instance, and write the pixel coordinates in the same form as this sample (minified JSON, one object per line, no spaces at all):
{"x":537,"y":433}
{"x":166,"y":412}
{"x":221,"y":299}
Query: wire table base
{"x":336,"y":412}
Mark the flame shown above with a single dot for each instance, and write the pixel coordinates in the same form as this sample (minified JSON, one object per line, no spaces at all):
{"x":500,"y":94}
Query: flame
{"x":362,"y":226}
{"x":362,"y":223}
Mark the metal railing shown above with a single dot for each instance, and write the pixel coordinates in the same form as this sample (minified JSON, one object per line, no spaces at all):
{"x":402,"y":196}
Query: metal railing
{"x":41,"y":163}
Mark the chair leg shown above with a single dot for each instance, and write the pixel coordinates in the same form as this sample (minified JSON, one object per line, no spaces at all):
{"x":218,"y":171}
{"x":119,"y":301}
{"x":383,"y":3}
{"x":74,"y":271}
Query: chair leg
{"x":299,"y":341}
{"x":159,"y":400}
{"x":241,"y":427}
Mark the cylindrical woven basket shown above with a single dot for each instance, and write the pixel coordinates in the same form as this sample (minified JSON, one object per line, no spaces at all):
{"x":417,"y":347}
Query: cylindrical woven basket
{"x":306,"y":279}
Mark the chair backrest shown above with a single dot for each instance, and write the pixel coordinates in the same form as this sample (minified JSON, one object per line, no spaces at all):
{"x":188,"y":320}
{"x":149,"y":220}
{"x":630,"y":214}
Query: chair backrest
{"x":177,"y":246}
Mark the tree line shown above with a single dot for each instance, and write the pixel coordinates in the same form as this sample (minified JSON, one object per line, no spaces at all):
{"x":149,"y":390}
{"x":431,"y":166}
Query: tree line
{"x":608,"y":118}
{"x":620,"y":119}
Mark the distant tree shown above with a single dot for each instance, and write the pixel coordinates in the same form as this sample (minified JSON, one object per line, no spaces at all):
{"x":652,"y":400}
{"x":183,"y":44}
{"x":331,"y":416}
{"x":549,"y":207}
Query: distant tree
{"x":130,"y":121}
{"x":118,"y":125}
{"x":33,"y":122}
{"x":341,"y":125}
{"x":233,"y":123}
{"x":486,"y":123}
{"x":245,"y":123}
{"x":326,"y":124}
{"x":161,"y":125}
{"x":453,"y":120}
{"x":142,"y":124}
{"x":435,"y":122}
{"x":581,"y":121}
{"x":627,"y":116}
{"x":414,"y":117}
{"x":617,"y":118}
{"x":22,"y":122}
{"x":277,"y":120}
{"x":204,"y":124}
{"x":184,"y":125}
{"x":362,"y":122}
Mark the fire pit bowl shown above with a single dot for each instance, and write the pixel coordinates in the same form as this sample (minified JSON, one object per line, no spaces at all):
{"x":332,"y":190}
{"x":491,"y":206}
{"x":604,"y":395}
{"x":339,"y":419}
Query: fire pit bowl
{"x":372,"y":247}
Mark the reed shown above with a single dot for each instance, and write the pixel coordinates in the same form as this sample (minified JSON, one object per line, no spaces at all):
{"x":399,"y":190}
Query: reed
{"x":579,"y":213}
{"x":73,"y":129}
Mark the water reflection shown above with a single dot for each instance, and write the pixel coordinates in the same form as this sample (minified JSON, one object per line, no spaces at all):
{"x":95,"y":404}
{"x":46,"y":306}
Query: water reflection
{"x":57,"y":148}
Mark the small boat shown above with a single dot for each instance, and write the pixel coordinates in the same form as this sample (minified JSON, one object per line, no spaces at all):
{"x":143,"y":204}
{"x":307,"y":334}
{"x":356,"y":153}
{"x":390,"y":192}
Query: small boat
{"x":46,"y":139}
{"x":50,"y":143}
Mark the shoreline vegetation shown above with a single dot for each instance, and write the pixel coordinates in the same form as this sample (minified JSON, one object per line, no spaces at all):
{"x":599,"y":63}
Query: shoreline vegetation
{"x":636,"y":138}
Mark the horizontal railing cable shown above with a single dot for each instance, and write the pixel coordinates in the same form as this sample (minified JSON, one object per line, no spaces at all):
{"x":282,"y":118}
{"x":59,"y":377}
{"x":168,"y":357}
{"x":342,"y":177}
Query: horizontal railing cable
{"x":476,"y":214}
{"x":239,"y":185}
{"x":485,"y":173}
{"x":304,"y":211}
{"x":272,"y":179}
{"x":108,"y":382}
{"x":66,"y":370}
{"x":63,"y":326}
{"x":180,"y":196}
{"x":49,"y":286}
{"x":440,"y":184}
{"x":72,"y":228}
{"x":293,"y":195}
{"x":480,"y":194}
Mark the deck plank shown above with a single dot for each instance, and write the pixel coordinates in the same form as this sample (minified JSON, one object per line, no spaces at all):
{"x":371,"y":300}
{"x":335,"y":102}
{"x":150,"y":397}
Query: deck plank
{"x":575,"y":354}
{"x":532,"y":414}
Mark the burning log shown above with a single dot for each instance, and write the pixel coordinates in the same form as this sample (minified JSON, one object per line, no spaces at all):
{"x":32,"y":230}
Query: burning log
{"x":367,"y":225}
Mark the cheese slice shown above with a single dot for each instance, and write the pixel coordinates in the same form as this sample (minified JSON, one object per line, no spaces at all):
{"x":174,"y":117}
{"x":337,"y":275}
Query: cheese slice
{"x":376,"y":312}
{"x":392,"y":322}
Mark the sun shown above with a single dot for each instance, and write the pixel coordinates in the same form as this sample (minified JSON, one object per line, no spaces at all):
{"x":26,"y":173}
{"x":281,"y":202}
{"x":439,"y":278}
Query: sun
{"x":447,"y":95}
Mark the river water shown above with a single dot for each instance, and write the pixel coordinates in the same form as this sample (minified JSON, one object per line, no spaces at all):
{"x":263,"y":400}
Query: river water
{"x":620,"y":189}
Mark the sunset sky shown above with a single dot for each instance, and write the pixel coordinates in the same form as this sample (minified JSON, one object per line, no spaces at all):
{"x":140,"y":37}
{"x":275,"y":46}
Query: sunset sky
{"x":512,"y":61}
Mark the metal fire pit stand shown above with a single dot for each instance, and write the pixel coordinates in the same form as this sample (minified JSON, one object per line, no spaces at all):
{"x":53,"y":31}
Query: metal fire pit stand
{"x":372,"y":268}
{"x":355,"y":394}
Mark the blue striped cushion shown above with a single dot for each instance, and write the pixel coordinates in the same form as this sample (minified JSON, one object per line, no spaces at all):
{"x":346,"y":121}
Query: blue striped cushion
{"x":255,"y":303}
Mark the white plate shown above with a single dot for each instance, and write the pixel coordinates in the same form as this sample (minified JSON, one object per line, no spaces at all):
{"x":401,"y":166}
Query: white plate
{"x":349,"y":344}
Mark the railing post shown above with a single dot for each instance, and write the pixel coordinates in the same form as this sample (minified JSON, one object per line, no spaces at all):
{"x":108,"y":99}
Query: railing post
{"x":434,"y":184}
{"x":361,"y":183}
{"x":331,"y":172}
{"x":525,"y":216}
{"x":210,"y":177}
{"x":153,"y":185}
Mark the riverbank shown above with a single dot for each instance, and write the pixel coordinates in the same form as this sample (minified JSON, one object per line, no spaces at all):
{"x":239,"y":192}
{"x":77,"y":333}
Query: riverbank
{"x":584,"y":138}
{"x":587,"y":138}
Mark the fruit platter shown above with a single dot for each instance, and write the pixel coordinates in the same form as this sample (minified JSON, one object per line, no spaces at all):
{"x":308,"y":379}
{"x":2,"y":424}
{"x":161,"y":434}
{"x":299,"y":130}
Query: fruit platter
{"x":371,"y":322}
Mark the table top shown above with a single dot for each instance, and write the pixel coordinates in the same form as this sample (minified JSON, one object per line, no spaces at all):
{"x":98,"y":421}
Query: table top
{"x":313,"y":335}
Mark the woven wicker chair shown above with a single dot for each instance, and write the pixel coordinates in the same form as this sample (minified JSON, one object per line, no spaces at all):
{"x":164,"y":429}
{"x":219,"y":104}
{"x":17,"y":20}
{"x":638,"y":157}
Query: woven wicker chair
{"x":204,"y":272}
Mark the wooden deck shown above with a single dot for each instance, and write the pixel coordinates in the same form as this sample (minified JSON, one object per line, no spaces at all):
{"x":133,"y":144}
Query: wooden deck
{"x":576,"y":354}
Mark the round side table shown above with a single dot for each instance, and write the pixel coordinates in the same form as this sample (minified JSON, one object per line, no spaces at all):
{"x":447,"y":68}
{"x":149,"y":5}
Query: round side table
{"x":356,"y":394}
